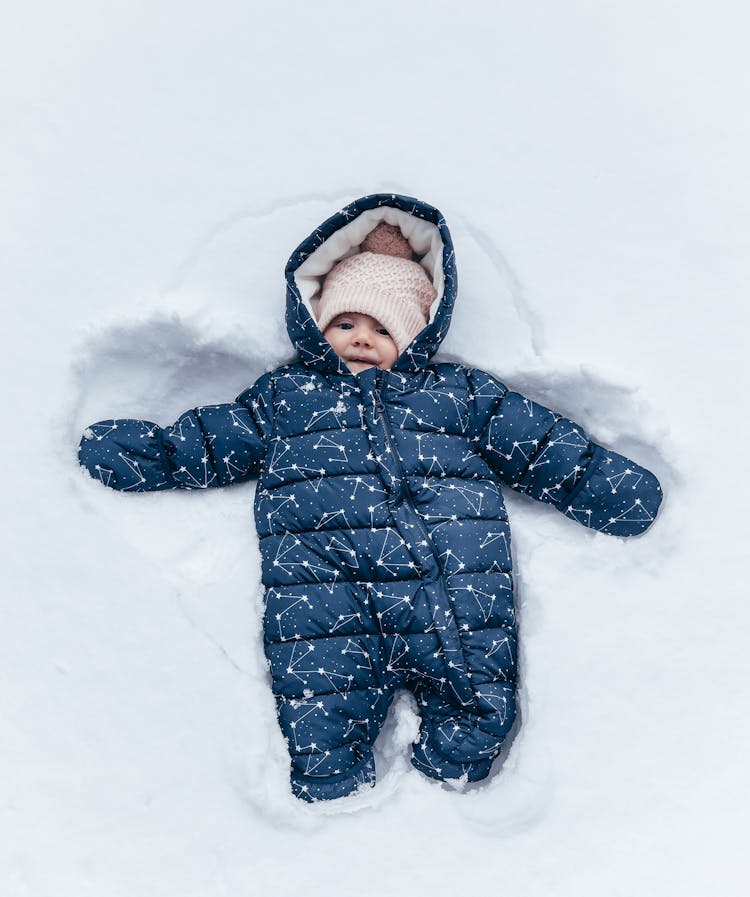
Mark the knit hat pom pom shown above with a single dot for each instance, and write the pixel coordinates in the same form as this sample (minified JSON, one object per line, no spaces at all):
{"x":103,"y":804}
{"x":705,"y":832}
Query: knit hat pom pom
{"x":387,"y":239}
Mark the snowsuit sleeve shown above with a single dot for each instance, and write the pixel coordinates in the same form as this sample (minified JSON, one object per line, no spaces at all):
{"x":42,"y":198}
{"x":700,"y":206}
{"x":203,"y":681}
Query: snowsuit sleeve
{"x":543,"y":454}
{"x":213,"y":445}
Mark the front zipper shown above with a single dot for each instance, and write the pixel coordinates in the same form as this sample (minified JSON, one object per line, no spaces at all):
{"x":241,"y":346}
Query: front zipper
{"x":380,"y":385}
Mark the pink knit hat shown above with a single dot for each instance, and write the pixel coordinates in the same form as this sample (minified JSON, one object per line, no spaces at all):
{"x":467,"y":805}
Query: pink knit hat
{"x":381,"y":281}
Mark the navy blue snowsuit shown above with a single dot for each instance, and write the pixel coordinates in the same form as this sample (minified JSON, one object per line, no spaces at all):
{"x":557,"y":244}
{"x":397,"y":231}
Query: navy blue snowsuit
{"x":384,"y":538}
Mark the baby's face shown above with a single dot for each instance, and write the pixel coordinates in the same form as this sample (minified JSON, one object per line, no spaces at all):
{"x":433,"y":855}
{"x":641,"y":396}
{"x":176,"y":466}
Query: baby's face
{"x":361,"y":341}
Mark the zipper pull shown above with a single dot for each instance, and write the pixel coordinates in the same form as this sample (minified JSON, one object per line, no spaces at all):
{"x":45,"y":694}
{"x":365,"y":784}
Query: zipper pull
{"x":376,"y":393}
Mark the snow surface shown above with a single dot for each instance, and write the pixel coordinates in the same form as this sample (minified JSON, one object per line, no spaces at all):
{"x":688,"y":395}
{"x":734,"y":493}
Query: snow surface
{"x":159,"y":162}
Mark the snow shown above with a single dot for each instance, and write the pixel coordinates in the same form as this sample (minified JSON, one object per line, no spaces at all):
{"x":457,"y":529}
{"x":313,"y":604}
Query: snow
{"x":160,"y":161}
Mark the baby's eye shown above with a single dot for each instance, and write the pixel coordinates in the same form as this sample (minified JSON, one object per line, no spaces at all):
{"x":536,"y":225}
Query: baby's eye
{"x":383,"y":332}
{"x":345,"y":325}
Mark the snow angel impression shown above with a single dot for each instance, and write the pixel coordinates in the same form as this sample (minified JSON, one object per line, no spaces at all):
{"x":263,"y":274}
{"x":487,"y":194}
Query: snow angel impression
{"x":383,"y":533}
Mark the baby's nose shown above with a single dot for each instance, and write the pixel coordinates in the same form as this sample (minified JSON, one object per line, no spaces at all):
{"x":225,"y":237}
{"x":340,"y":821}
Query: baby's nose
{"x":362,"y":336}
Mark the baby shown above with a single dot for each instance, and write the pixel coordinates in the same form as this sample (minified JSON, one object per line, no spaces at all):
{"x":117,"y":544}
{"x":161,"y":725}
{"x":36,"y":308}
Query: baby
{"x":384,"y":538}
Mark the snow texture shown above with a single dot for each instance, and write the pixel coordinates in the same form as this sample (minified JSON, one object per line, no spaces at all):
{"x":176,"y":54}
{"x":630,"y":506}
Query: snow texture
{"x":159,"y":164}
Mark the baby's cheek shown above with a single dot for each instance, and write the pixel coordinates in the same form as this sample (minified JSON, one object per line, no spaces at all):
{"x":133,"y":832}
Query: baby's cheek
{"x":389,"y":353}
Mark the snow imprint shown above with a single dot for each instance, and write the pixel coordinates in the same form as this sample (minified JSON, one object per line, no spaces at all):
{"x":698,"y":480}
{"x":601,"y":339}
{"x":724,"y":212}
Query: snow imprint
{"x":210,"y":335}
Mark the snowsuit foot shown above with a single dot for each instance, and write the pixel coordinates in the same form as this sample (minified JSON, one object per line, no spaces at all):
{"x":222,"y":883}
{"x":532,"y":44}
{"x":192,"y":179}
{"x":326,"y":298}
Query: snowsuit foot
{"x":334,"y":773}
{"x":456,"y":741}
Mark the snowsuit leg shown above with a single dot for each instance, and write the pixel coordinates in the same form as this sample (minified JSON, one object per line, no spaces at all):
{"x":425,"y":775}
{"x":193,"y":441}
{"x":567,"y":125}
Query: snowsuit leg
{"x":332,"y":695}
{"x":330,"y":741}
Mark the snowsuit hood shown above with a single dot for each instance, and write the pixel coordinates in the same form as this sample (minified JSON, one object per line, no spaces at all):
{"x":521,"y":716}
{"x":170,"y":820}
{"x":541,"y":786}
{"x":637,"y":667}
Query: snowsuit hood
{"x":339,"y":237}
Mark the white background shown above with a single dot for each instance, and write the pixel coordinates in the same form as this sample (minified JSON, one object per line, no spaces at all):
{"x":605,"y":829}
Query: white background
{"x":159,"y":161}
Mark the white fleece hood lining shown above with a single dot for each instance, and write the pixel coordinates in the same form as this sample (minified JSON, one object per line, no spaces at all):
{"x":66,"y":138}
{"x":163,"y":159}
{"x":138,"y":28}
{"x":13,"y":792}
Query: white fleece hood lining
{"x":423,"y":236}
